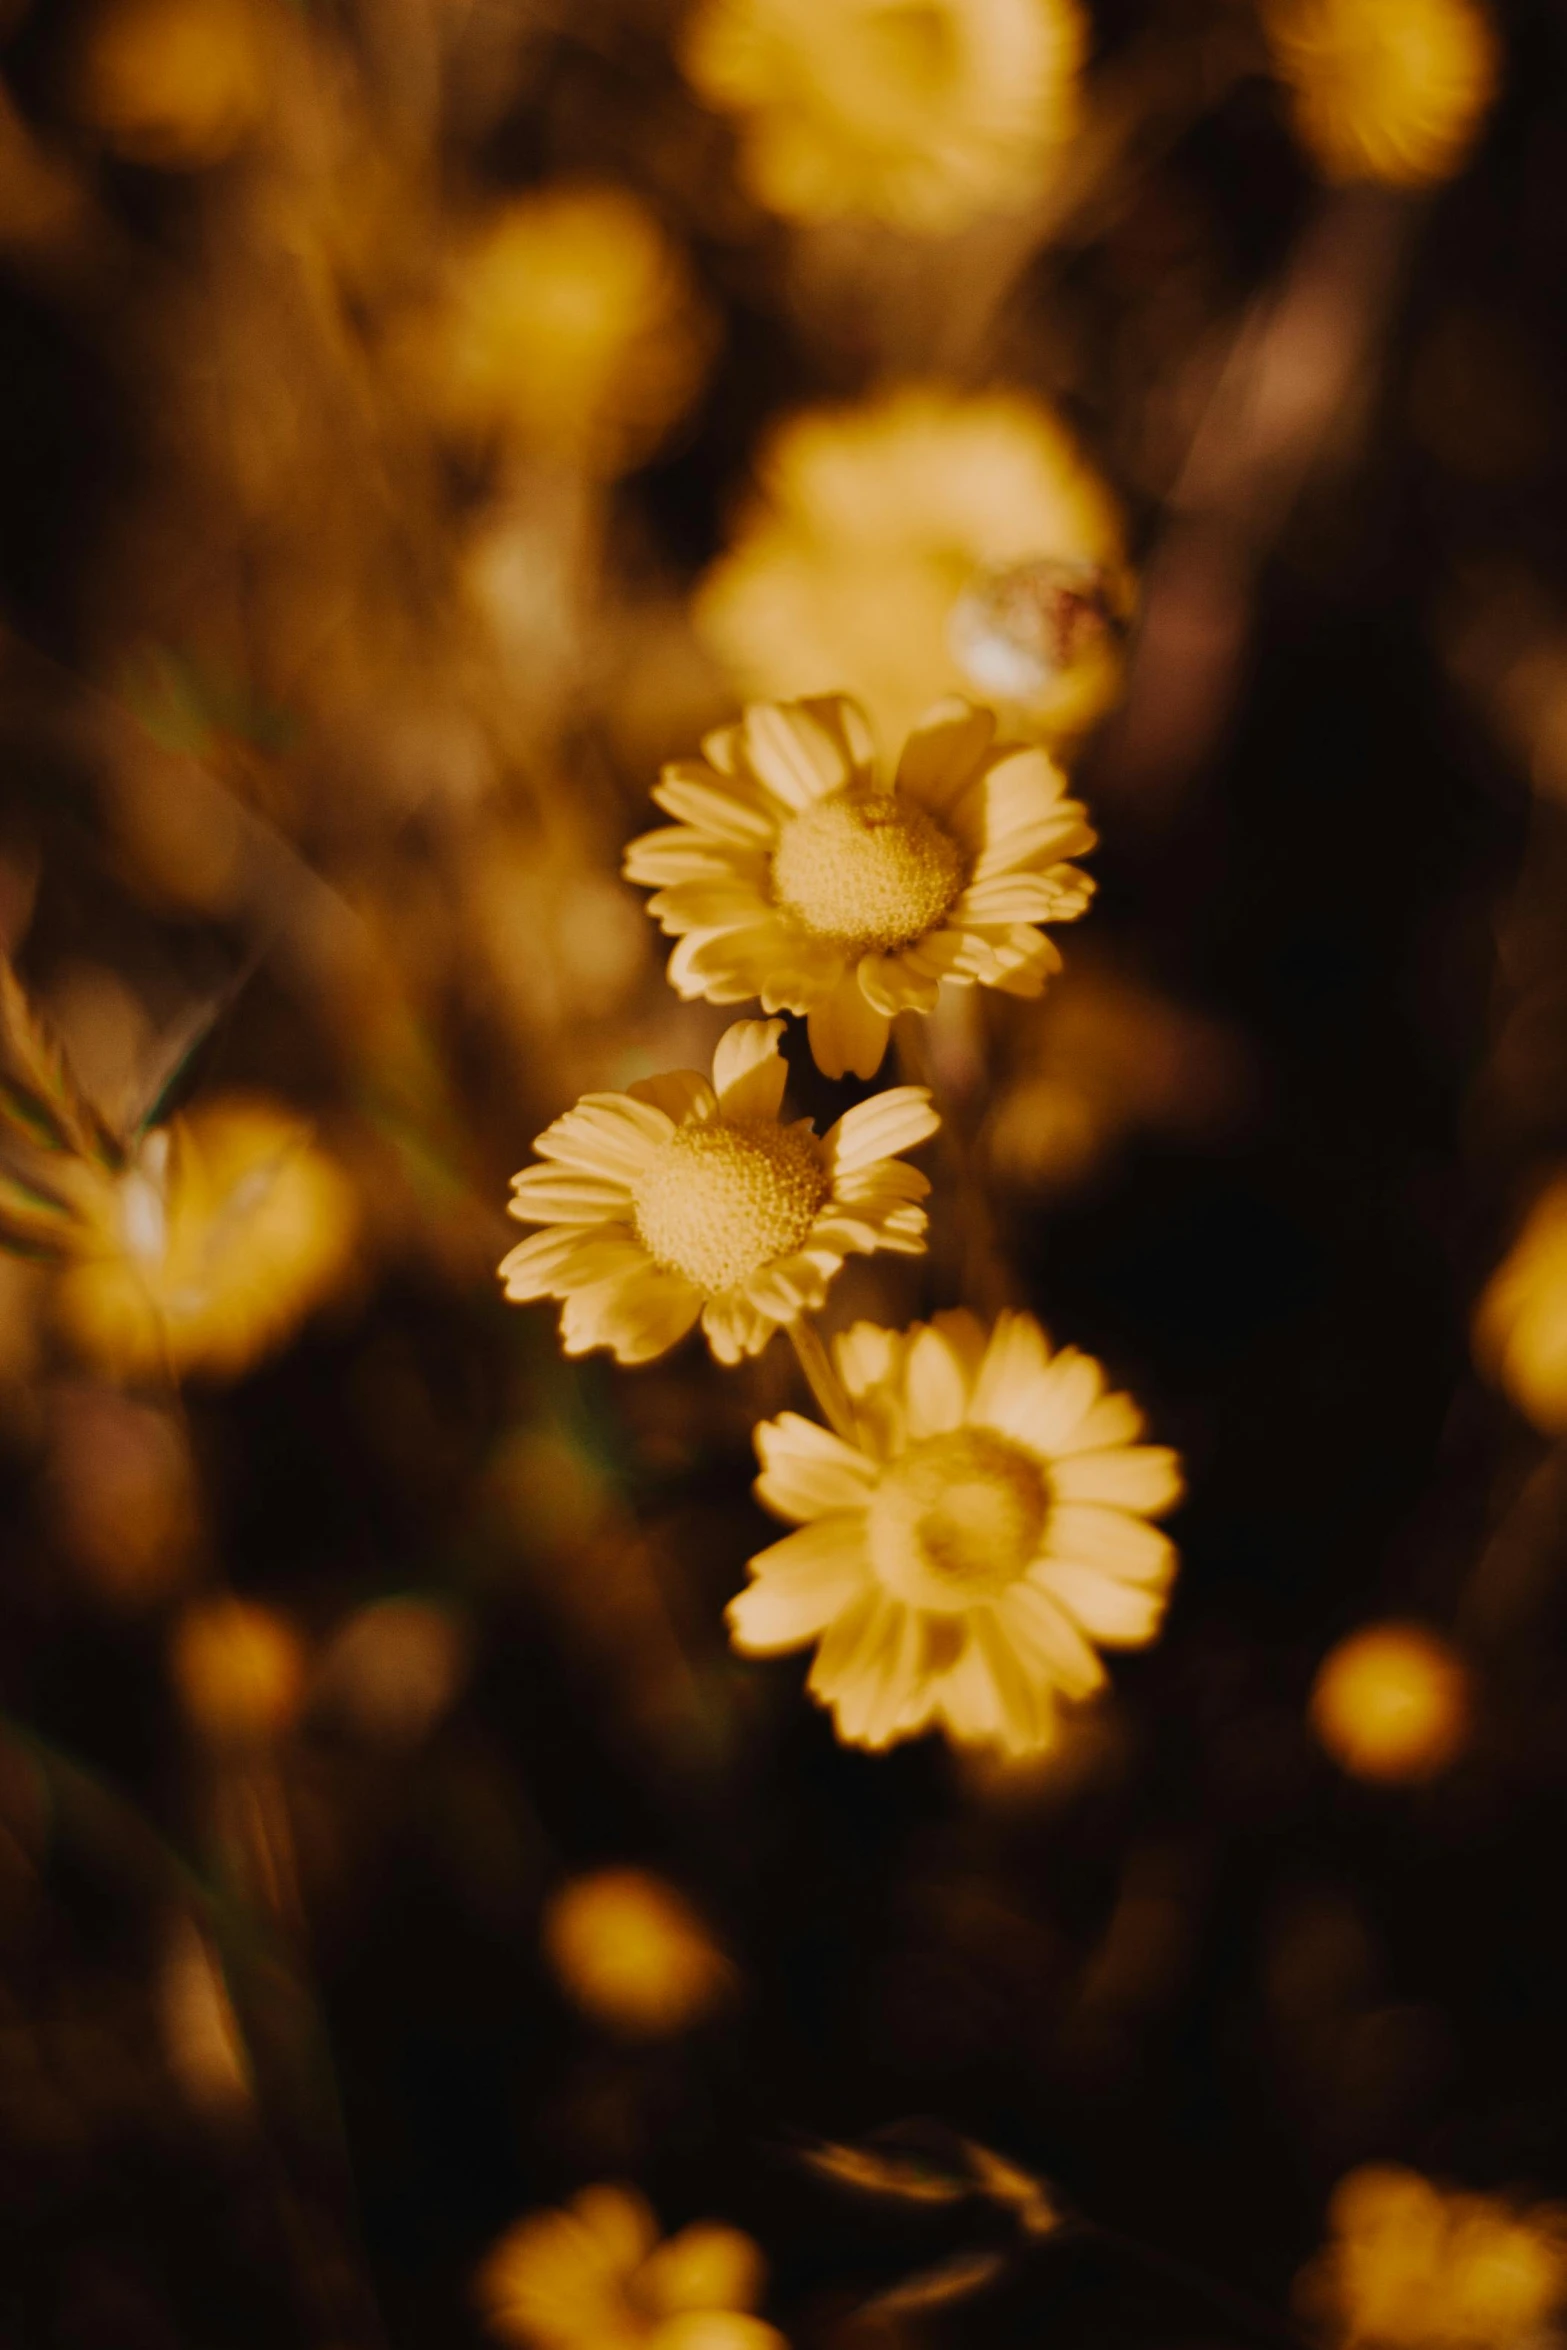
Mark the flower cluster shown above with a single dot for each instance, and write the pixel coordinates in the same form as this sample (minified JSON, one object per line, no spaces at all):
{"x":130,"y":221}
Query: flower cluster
{"x":973,"y":1522}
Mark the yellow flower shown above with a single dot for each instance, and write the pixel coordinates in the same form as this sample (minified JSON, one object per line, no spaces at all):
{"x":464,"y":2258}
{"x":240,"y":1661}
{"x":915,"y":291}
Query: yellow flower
{"x":176,"y":84}
{"x":922,"y":113}
{"x":1411,"y":2266}
{"x":923,"y":543}
{"x":632,"y":1953}
{"x":956,"y":1561}
{"x":572,"y":321}
{"x":1391,"y":90}
{"x":228,"y":1227}
{"x":681,"y":1199}
{"x":596,"y":2277}
{"x":1521,"y":1325}
{"x":1392,"y":1703}
{"x":238,"y":1670}
{"x":798,"y":875}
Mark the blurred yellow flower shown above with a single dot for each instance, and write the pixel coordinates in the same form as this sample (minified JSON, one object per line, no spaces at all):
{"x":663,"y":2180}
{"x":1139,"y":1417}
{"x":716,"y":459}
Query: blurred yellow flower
{"x":632,"y":1953}
{"x":956,"y":1562}
{"x":224,"y":1231}
{"x":1410,"y":2266}
{"x":921,"y":543}
{"x":174,"y":83}
{"x":1391,"y":90}
{"x":922,"y":113}
{"x":800,"y":876}
{"x":1392,"y":1702}
{"x":572,"y":322}
{"x":1521,"y":1325}
{"x":681,"y":1199}
{"x":596,"y":2277}
{"x":238,"y":1670}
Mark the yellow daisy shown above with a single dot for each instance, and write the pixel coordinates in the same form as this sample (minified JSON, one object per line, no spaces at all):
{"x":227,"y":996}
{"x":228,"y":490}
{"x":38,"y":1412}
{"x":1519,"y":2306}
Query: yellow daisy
{"x":924,"y":116}
{"x":596,"y":2277}
{"x":920,"y":543}
{"x":1391,"y":90}
{"x":955,"y":1562}
{"x":798,"y":874}
{"x":680,"y":1199}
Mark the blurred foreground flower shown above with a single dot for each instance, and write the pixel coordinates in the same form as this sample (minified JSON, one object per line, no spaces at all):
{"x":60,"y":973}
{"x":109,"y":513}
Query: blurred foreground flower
{"x":799,"y":876}
{"x":924,"y":116}
{"x":1392,"y":1702}
{"x":176,"y":84}
{"x":227,"y":1228}
{"x":1390,"y":90}
{"x":238,"y":1670}
{"x":923,"y":543}
{"x":1521,"y":1325}
{"x":682,"y":1199}
{"x":1411,"y":2267}
{"x":632,"y":1953}
{"x":956,"y":1562}
{"x":572,"y":322}
{"x":596,"y":2277}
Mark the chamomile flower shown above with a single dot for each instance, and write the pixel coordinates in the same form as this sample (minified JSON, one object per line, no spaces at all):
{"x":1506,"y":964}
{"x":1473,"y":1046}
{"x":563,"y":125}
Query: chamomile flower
{"x":959,"y":1560}
{"x":797,"y":873}
{"x":925,"y":117}
{"x":596,"y":2277}
{"x":681,"y":1199}
{"x":1390,"y":90}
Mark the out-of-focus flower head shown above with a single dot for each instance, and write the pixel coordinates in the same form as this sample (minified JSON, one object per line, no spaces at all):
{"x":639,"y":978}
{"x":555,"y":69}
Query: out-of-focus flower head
{"x":633,"y":1953}
{"x":958,"y":1560}
{"x":178,"y":84}
{"x":238,"y":1670}
{"x":227,"y":1227}
{"x":1521,"y":1325}
{"x":120,"y":1494}
{"x":1410,"y":2266}
{"x":1392,"y":1702}
{"x":1391,"y":90}
{"x":925,"y":116}
{"x":681,"y":1199}
{"x":798,"y":874}
{"x":926,"y":542}
{"x":596,"y":2277}
{"x":570,"y":322}
{"x":393,"y":1669}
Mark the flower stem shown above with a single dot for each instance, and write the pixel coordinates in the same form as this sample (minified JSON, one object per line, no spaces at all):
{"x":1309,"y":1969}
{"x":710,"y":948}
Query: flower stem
{"x":824,"y":1381}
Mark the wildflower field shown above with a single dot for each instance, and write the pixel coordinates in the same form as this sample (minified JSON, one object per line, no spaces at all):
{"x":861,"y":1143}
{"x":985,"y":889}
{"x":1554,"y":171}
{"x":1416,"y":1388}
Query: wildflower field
{"x":783,"y":1175}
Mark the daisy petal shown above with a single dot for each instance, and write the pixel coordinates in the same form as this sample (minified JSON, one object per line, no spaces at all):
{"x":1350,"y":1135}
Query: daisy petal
{"x":791,"y":752}
{"x":872,"y":1699}
{"x":1130,"y":1477}
{"x":807,"y":1471}
{"x":865,"y":1355}
{"x":944,"y":752}
{"x":636,"y":1315}
{"x":730,"y":810}
{"x":611,"y":1135}
{"x":1110,"y":1540}
{"x":847,"y":1033}
{"x":1044,"y":1634}
{"x":892,"y":985}
{"x":1007,"y":897}
{"x":801,"y":1585}
{"x":749,"y":1071}
{"x":680,"y":1094}
{"x":1117,"y":1615}
{"x":657,"y":860}
{"x":551,"y":1195}
{"x":734,"y":1328}
{"x":935,"y":1386}
{"x":1014,"y":1361}
{"x":566,"y":1258}
{"x":790,"y":1286}
{"x":894,"y":1121}
{"x":1027,"y":1719}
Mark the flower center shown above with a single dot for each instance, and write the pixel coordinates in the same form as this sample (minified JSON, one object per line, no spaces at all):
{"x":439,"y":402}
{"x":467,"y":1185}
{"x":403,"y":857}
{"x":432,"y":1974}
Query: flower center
{"x":1016,"y":631}
{"x":724,"y":1197}
{"x":871,"y":872}
{"x":957,"y":1518}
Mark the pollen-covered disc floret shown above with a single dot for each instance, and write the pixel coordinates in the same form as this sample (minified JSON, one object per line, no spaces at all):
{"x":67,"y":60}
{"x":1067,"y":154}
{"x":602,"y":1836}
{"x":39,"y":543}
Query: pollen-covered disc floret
{"x":958,"y":1561}
{"x":796,"y":873}
{"x":683,"y":1199}
{"x":866,"y":871}
{"x":724,"y":1197}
